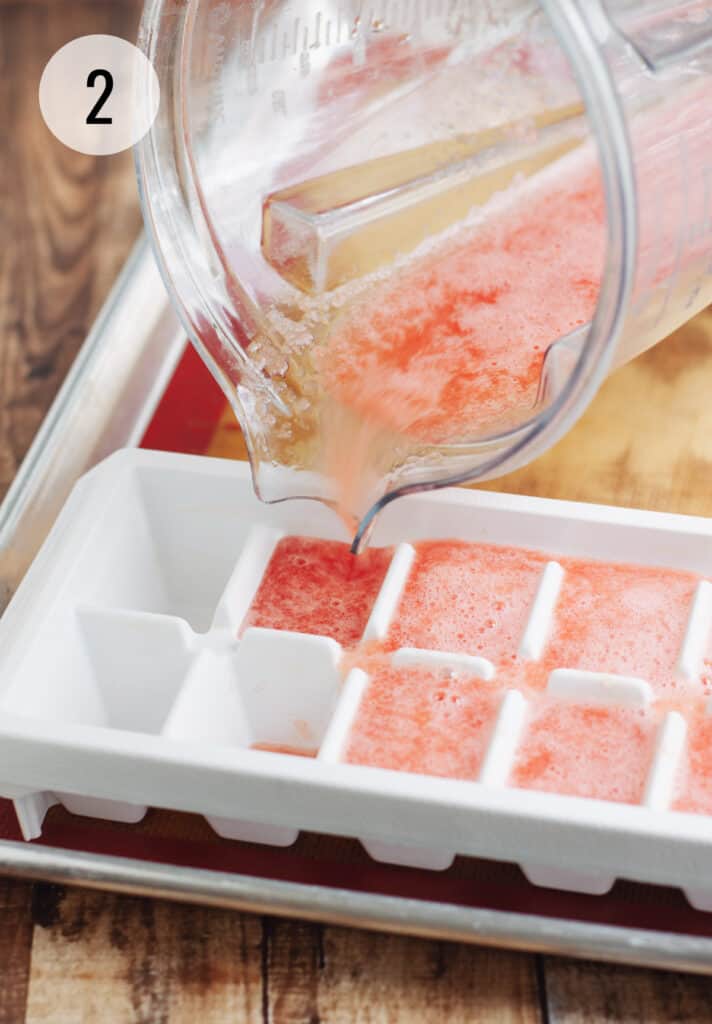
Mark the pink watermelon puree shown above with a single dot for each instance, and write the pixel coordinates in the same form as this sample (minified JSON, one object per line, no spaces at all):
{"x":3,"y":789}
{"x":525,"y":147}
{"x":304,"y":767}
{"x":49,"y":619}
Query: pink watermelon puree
{"x":469,"y":598}
{"x":476,"y":599}
{"x":415,"y":720}
{"x":695,"y":782}
{"x":318,"y":586}
{"x":600,"y":752}
{"x":624,"y":619}
{"x":456,"y":339}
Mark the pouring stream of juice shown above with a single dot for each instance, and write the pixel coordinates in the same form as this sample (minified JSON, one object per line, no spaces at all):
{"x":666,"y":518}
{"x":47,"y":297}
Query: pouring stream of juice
{"x":411,"y":241}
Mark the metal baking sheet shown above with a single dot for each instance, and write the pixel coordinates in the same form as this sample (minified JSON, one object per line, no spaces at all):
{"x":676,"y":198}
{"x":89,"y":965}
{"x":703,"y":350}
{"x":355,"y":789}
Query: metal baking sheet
{"x":108,"y":401}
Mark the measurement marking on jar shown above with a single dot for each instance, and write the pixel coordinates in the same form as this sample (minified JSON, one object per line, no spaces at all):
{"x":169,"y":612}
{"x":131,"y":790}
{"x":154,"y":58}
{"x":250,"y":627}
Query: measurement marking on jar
{"x":407,"y":16}
{"x":217,"y":43}
{"x":705,"y":226}
{"x":682,"y":233}
{"x":708,"y":201}
{"x":644,"y":281}
{"x":277,"y":42}
{"x":700,"y":231}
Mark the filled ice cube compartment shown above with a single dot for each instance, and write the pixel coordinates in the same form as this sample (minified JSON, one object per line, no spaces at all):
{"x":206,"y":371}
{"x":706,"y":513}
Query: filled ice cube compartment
{"x":317,"y":586}
{"x":421,"y":719}
{"x":604,"y":657}
{"x":624,"y":619}
{"x":693,"y":790}
{"x":587,"y":750}
{"x":462,"y":597}
{"x":501,"y":676}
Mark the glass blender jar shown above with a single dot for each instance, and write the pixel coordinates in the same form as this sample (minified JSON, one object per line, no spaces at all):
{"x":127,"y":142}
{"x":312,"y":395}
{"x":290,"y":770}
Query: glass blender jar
{"x":411,"y":238}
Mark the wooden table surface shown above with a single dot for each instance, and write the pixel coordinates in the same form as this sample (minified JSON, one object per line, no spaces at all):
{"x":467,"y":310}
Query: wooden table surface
{"x":70,"y":956}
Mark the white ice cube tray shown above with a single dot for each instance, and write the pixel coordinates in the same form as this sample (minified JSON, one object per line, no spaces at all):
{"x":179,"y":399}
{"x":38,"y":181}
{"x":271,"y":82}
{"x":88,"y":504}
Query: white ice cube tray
{"x":123,"y":683}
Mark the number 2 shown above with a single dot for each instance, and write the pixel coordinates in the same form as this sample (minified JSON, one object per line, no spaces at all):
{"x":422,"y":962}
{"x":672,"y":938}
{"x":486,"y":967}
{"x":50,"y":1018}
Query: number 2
{"x":108,"y":89}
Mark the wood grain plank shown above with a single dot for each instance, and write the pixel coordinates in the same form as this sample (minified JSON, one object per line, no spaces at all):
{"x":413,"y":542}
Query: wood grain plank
{"x":342,"y":976}
{"x":587,"y":993}
{"x":101,"y":957}
{"x":64,"y":4}
{"x":15,"y":946}
{"x":70,"y":219}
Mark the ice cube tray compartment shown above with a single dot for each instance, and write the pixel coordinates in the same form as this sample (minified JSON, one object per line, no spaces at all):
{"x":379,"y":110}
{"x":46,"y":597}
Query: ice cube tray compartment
{"x":125,"y":681}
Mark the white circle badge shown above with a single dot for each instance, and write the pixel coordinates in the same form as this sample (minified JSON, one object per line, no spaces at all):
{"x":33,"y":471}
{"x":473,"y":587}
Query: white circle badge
{"x":99,"y":95}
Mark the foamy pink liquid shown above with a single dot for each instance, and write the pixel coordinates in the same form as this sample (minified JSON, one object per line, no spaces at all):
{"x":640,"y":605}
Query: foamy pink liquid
{"x":599,"y":752}
{"x":457,"y":339}
{"x":476,"y":599}
{"x":694,"y":784}
{"x":318,"y":586}
{"x":414,"y":720}
{"x":468,"y":598}
{"x":628,"y":620}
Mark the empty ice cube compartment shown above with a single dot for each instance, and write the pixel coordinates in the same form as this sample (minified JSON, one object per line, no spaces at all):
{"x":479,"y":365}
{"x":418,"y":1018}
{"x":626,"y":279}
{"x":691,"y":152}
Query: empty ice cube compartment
{"x":157,"y":546}
{"x":111,"y":668}
{"x":196,"y":538}
{"x":273,"y":689}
